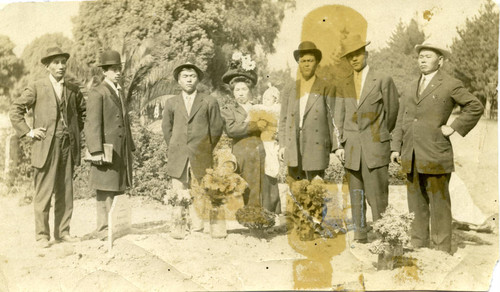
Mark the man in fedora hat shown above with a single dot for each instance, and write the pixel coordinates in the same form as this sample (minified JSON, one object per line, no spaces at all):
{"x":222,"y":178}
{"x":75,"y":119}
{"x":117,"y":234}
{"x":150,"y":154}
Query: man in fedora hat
{"x":422,"y":136}
{"x":191,"y":126}
{"x":306,"y":132}
{"x":108,"y":123}
{"x":365,"y":114}
{"x":58,"y":116}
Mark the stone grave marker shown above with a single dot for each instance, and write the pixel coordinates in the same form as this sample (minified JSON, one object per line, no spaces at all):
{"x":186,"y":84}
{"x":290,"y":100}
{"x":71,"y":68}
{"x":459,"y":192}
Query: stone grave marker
{"x":119,"y":219}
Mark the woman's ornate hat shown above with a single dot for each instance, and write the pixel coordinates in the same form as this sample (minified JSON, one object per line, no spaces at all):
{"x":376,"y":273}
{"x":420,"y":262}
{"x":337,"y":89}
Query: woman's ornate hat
{"x":353,"y":44}
{"x":307,"y":47}
{"x":110,"y":58}
{"x":187,"y":65}
{"x":52,"y":53}
{"x":241,"y":65}
{"x":433,"y":47}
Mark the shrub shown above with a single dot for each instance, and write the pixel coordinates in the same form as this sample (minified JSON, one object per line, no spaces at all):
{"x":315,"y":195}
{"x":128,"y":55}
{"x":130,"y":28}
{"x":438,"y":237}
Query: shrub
{"x":253,"y":217}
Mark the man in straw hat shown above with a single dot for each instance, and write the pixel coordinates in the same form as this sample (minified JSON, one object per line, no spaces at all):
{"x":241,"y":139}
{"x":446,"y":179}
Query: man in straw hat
{"x":108,"y":124}
{"x":58,"y":116}
{"x":306,"y":131}
{"x":365,"y":114}
{"x":192,"y":126}
{"x":422,"y":136}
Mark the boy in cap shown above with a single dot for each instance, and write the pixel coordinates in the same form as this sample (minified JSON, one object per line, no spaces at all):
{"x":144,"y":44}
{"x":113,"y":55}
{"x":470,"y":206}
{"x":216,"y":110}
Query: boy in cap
{"x":191,"y":126}
{"x":58,"y":117}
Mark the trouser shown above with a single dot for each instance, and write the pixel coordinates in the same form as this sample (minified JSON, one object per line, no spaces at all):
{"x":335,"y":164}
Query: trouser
{"x":370,"y":185}
{"x":198,"y":206}
{"x":55,"y":177}
{"x":428,"y":196}
{"x":104,"y":201}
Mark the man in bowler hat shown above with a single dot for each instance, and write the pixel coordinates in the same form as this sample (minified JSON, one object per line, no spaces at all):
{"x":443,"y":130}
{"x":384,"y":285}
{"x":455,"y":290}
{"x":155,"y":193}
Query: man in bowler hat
{"x":108,"y":123}
{"x":306,"y":131}
{"x":422,"y":136}
{"x":58,"y":117}
{"x":366,"y":110}
{"x":191,"y":126}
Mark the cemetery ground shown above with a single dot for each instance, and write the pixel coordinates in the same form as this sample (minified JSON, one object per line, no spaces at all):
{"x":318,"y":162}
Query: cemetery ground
{"x":149,"y":259}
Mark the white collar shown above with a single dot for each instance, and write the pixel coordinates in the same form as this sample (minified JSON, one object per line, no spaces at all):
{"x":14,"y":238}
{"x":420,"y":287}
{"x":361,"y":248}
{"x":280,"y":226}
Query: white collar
{"x":192,"y":95}
{"x":55,"y":82}
{"x":363,"y":72}
{"x":429,"y":76}
{"x":115,"y":88}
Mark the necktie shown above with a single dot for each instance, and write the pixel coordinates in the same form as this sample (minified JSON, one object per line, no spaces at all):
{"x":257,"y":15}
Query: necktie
{"x":357,"y":85}
{"x":189,"y":103}
{"x":422,"y":86}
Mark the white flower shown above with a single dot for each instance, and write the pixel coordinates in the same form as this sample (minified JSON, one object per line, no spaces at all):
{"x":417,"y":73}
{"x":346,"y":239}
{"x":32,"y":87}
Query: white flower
{"x":237,"y":56}
{"x":247,"y":64}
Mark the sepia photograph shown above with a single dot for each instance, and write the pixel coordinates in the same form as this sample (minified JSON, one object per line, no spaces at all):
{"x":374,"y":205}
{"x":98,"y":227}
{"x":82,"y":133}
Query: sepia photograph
{"x":249,"y":145}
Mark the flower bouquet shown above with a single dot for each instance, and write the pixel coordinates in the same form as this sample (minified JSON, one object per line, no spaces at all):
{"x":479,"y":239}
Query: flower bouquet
{"x":393,"y":229}
{"x":255,"y":218}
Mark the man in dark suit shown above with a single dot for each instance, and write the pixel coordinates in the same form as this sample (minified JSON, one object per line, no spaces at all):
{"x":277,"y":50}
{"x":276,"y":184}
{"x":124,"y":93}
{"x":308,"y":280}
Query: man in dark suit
{"x":423,"y":138}
{"x":192,"y":126}
{"x":306,"y":132}
{"x":58,"y":115}
{"x":366,"y":110}
{"x":108,"y":123}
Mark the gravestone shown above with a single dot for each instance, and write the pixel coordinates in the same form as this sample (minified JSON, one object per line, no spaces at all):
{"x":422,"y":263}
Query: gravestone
{"x":119,"y":219}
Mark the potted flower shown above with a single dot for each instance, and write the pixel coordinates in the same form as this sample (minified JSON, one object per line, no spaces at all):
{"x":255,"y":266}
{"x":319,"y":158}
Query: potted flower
{"x":218,"y":184}
{"x":255,"y":218}
{"x":392,"y":230}
{"x":179,"y":200}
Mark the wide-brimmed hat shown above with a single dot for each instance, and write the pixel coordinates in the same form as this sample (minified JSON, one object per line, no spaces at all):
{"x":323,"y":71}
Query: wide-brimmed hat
{"x":232,"y":73}
{"x":307,"y":47}
{"x":53,"y":52}
{"x":110,"y":58}
{"x":433,"y":47}
{"x":352,"y":44}
{"x":187,"y":65}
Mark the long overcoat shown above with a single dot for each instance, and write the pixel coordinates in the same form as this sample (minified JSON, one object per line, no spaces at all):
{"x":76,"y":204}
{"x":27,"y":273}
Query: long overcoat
{"x":108,"y":122}
{"x":365,"y":127}
{"x":318,"y":133}
{"x":418,"y":127}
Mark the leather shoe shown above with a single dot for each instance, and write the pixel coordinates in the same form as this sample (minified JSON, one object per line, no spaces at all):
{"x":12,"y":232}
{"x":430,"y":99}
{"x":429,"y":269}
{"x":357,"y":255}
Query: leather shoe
{"x":43,"y":243}
{"x":68,"y":238}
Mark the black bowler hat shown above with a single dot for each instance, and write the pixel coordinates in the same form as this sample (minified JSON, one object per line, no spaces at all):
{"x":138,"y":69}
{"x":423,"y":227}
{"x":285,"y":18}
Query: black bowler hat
{"x":52,"y":53}
{"x":307,"y":47}
{"x":110,"y":58}
{"x":187,"y":65}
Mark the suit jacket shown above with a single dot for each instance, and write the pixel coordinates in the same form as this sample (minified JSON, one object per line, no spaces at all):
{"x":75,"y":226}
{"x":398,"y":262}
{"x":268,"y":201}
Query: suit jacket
{"x":191,"y":136}
{"x":108,"y":122}
{"x":366,"y":127}
{"x":318,"y":134}
{"x":420,"y":118}
{"x":41,"y":97}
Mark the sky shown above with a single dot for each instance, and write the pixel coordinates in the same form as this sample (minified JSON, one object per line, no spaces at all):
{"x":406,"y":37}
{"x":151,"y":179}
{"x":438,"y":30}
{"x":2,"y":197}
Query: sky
{"x":23,"y":22}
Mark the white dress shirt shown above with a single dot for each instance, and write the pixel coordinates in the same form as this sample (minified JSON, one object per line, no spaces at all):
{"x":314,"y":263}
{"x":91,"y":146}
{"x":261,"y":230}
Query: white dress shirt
{"x":305,"y":89}
{"x":188,"y":100}
{"x":363,"y":74}
{"x":57,"y":85}
{"x":116,"y":87}
{"x":425,"y":80}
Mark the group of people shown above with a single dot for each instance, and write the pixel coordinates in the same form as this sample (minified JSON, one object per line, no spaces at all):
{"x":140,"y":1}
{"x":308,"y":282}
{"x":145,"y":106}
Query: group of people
{"x":362,"y":119}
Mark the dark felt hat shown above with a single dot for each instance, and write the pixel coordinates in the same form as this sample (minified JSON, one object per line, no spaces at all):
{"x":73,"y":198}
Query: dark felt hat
{"x":232,"y":73}
{"x":433,"y":47}
{"x":52,"y":53}
{"x":110,"y":58}
{"x":188,"y":65}
{"x":307,"y":47}
{"x":353,"y":44}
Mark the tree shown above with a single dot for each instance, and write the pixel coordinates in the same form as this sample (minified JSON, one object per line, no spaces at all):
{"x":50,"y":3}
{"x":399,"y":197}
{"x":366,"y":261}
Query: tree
{"x":475,"y":55}
{"x":154,"y":36}
{"x":11,"y":67}
{"x":399,"y":59}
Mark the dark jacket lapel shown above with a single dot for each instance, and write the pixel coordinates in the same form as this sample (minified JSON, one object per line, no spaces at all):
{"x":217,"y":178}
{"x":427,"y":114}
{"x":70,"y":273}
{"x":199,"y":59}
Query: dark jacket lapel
{"x":114,"y":97}
{"x":370,"y":83}
{"x":198,"y":101}
{"x":433,"y":84}
{"x":314,"y":95}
